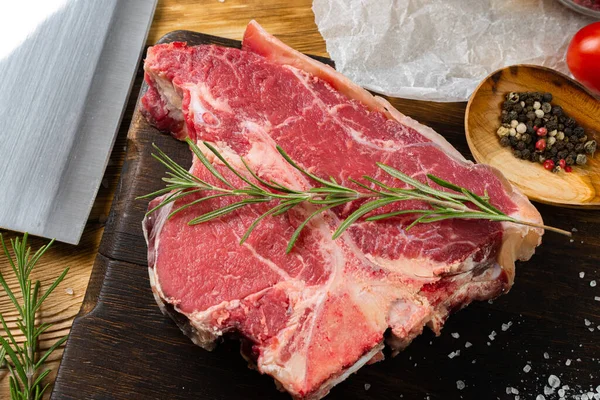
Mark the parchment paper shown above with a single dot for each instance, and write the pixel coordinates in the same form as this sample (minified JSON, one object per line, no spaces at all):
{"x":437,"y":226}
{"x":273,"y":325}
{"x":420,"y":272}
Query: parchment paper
{"x":441,"y":50}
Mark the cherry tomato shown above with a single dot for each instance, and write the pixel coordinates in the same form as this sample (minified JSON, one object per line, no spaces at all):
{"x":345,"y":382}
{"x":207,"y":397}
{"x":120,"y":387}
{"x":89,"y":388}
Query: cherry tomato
{"x":583,"y":56}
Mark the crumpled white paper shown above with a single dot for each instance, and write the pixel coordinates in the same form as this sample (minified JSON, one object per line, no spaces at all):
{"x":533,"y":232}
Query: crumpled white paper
{"x":441,"y":50}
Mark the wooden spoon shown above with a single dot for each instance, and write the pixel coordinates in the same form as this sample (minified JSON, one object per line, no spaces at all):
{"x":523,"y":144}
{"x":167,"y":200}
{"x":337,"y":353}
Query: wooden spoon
{"x":580,"y":188}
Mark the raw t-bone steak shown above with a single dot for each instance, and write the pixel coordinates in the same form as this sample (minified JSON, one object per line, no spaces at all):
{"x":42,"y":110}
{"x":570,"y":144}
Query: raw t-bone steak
{"x":311,"y":318}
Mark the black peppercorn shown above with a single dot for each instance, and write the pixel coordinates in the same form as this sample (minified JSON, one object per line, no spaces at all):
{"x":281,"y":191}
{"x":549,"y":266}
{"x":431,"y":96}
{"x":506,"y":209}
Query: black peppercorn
{"x":517,"y":107}
{"x":506,"y":119}
{"x":553,"y":151}
{"x":570,"y":122}
{"x":573,"y":155}
{"x":522,"y":118}
{"x":579,"y":131}
{"x":529,"y":101}
{"x":547,"y":97}
{"x":533,"y":157}
{"x":526,"y":138}
{"x":557,"y":110}
{"x":531,"y":115}
{"x":569,"y":160}
{"x":525,"y":153}
{"x":570,"y":146}
{"x":507,"y":106}
{"x":560,"y":145}
{"x":563,"y":154}
{"x":513,"y":140}
{"x":579,"y":147}
{"x":568,"y":131}
{"x":561,"y":127}
{"x":521,"y":145}
{"x":537,"y":96}
{"x":551,"y":126}
{"x":513,"y":115}
{"x":517,"y":153}
{"x":505,"y":141}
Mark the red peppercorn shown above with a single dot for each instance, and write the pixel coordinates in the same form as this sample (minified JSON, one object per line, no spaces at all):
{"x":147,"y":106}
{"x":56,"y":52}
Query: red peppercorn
{"x":549,"y":165}
{"x":542,"y":131}
{"x":535,"y":128}
{"x":568,"y":168}
{"x":562,"y":163}
{"x":540,"y":145}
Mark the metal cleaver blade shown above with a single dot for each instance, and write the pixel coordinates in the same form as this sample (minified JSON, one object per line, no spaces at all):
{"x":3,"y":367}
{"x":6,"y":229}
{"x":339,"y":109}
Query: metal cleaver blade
{"x":66,"y":71}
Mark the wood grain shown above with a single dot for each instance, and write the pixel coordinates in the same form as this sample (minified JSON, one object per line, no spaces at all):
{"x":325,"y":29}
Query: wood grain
{"x":122,"y":347}
{"x":291,"y":20}
{"x":578,"y":188}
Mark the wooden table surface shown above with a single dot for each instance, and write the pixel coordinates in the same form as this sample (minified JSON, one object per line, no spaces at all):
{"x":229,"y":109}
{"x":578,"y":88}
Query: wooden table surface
{"x":290,"y":20}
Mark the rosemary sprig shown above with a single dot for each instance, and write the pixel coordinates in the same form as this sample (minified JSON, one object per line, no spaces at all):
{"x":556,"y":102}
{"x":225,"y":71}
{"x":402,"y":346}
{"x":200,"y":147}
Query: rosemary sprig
{"x":24,"y":362}
{"x":459,"y":202}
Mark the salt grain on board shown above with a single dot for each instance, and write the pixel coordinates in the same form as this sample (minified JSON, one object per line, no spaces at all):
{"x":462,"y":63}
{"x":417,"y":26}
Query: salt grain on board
{"x":460,"y":385}
{"x":587,"y":322}
{"x":546,"y":356}
{"x":593,"y":283}
{"x":455,"y":335}
{"x":553,"y":381}
{"x":597,"y":298}
{"x":468,"y":344}
{"x":367,"y":386}
{"x":540,"y":397}
{"x":581,"y":274}
{"x":527,"y":368}
{"x":568,"y":362}
{"x":506,"y":326}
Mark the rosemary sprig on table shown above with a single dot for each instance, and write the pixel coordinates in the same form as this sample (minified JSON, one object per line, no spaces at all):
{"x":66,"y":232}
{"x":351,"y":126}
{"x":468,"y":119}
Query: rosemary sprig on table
{"x":459,"y":202}
{"x":24,"y":362}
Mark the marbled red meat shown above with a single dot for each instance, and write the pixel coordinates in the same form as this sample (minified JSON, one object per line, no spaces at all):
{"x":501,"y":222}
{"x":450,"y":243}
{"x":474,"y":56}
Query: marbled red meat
{"x":320,"y":313}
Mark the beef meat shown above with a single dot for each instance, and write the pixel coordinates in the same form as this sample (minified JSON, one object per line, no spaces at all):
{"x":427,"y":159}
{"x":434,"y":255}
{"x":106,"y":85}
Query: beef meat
{"x":320,"y":313}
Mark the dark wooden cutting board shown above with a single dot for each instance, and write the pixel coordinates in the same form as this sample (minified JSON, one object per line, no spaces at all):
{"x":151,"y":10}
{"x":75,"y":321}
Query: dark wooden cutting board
{"x":122,"y":347}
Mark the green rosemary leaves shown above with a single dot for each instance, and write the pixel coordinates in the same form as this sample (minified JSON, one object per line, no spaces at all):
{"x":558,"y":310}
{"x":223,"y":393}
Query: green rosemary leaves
{"x":459,"y":202}
{"x":23,"y":362}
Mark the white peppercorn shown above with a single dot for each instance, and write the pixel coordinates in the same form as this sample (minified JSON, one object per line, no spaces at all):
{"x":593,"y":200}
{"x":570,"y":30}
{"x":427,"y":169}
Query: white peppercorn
{"x":590,"y":147}
{"x":539,"y":113}
{"x":512,"y":131}
{"x":521,"y":128}
{"x":514,"y":123}
{"x":553,"y":133}
{"x":560,"y":135}
{"x":551,"y":141}
{"x":581,"y":159}
{"x":537,"y":105}
{"x":518,"y":136}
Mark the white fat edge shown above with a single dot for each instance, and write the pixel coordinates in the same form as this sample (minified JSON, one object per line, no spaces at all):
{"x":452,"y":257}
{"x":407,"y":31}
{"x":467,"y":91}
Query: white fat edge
{"x":161,"y":215}
{"x":377,"y":144}
{"x":202,"y":101}
{"x":169,"y":94}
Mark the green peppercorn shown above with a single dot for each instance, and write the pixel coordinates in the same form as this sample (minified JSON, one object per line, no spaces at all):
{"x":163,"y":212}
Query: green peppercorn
{"x":581,"y":159}
{"x":546,"y":108}
{"x":547,"y":97}
{"x":590,"y":147}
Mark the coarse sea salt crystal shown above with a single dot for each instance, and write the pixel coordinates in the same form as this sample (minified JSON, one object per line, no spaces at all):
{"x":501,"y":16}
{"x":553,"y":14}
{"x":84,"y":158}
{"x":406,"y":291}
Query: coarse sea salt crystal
{"x":561,"y":392}
{"x":492,"y":335}
{"x":460,"y":385}
{"x":548,"y":390}
{"x":597,"y":298}
{"x":468,"y":344}
{"x":546,"y":356}
{"x":367,"y":386}
{"x":527,"y":368}
{"x":506,"y":326}
{"x":553,"y":381}
{"x":568,"y":362}
{"x":587,"y":322}
{"x":581,"y":274}
{"x":514,"y":390}
{"x":455,"y":335}
{"x":540,"y":397}
{"x":593,"y":283}
{"x":508,"y":390}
